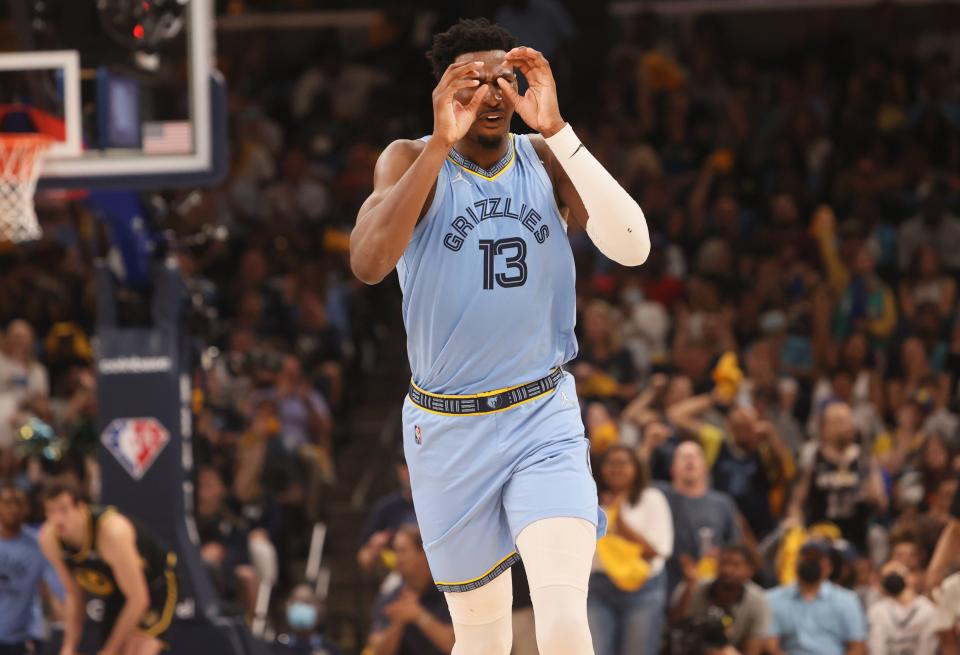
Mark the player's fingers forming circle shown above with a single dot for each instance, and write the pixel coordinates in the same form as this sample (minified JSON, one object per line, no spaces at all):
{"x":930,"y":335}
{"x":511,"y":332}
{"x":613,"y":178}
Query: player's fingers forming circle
{"x":524,"y":56}
{"x":457,"y":73}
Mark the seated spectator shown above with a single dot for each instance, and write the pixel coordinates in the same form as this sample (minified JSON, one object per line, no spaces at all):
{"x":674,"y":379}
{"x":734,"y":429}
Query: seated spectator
{"x":747,"y":457}
{"x":303,"y":619}
{"x":224,"y":541}
{"x":838,"y":481}
{"x":23,"y":380}
{"x":320,"y":347}
{"x":604,"y":369}
{"x":739,"y":603}
{"x":703,"y":519}
{"x":927,"y":283}
{"x":389,"y":514}
{"x":935,"y":226}
{"x":628,"y":586}
{"x":947,"y":615}
{"x":902,"y":621}
{"x":813,"y":616}
{"x":305,"y":427}
{"x":413,"y":619}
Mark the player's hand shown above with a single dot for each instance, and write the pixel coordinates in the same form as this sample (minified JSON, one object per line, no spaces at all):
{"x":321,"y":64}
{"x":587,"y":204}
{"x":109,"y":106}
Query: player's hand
{"x":451,"y":118}
{"x":538,"y":106}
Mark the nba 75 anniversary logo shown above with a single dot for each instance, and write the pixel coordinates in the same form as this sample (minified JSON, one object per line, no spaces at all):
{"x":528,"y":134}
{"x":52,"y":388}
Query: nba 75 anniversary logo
{"x":136,"y":443}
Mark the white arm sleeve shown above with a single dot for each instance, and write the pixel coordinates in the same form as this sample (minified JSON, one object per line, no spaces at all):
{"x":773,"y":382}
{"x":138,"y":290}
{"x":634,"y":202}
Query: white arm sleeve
{"x":616,"y":224}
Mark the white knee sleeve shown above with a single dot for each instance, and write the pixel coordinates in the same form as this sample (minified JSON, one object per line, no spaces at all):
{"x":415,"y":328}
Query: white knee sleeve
{"x":482,"y":618}
{"x":558,"y":551}
{"x":558,"y":554}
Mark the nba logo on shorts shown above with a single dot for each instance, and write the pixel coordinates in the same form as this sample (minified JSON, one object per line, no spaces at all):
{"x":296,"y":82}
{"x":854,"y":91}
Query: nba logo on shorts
{"x":136,"y":443}
{"x":417,"y":435}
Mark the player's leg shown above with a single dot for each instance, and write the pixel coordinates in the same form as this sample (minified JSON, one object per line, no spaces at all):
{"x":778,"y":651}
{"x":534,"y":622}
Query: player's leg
{"x":558,"y":553}
{"x":142,"y":644}
{"x":456,"y":476}
{"x":483,"y":618}
{"x":551,"y":506}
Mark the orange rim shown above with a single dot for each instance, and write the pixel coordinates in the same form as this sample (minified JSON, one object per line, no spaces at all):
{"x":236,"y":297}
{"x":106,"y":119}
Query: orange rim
{"x":17,"y":139}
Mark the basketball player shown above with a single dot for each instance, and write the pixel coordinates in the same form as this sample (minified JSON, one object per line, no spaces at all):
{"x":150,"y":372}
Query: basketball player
{"x":474,"y":219}
{"x":103,"y":553}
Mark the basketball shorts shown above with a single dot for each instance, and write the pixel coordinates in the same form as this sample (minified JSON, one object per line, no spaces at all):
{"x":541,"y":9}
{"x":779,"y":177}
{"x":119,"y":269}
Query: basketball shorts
{"x":480,"y":478}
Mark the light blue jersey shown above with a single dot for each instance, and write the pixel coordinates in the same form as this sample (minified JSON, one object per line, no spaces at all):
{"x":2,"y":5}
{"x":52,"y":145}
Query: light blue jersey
{"x":488,"y":278}
{"x":491,"y":427}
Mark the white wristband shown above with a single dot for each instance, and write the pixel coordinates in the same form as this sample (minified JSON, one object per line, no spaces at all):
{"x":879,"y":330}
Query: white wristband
{"x":616,"y":224}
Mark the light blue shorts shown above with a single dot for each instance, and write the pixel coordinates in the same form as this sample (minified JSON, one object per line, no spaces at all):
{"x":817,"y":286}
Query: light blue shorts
{"x":478,"y":480}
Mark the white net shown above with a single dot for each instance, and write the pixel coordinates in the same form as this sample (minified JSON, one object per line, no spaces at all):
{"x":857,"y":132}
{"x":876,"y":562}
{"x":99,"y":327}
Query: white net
{"x":20,"y":158}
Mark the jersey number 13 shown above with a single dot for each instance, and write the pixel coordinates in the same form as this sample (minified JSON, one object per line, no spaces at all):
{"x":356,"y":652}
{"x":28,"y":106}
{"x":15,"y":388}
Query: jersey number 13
{"x":516,"y":251}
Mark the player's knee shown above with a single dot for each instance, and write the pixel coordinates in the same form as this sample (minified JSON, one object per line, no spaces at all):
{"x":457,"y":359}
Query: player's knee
{"x":561,"y":621}
{"x":491,"y":639}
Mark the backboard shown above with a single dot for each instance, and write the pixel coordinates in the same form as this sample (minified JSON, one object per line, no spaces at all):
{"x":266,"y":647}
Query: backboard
{"x":128,"y":86}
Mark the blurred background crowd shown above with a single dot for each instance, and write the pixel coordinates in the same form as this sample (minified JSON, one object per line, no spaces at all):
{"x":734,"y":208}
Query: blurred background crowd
{"x":771,"y":400}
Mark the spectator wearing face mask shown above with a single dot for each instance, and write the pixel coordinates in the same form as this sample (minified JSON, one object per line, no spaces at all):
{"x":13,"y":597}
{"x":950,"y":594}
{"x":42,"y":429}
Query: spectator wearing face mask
{"x":814,"y":616}
{"x":902,"y":621}
{"x":304,"y":637}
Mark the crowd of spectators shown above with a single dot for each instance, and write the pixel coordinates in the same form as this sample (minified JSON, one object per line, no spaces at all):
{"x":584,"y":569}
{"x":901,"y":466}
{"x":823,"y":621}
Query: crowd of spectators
{"x":771,"y":399}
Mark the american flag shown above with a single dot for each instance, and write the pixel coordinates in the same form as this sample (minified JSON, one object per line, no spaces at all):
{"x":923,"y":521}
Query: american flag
{"x":168,"y":138}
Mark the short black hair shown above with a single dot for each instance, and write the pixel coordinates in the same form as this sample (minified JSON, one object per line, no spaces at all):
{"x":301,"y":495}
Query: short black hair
{"x":468,"y":35}
{"x":741,"y":550}
{"x":55,"y":487}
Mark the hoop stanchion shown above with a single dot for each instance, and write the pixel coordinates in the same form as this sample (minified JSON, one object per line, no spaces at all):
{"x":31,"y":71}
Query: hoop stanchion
{"x":20,"y":158}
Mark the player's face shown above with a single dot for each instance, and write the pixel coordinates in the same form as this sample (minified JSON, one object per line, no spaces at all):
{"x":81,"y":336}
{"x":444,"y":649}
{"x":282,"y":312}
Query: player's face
{"x":496,"y":111}
{"x":65,"y":516}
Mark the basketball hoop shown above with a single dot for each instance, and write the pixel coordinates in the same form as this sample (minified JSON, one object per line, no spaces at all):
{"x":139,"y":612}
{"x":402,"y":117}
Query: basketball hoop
{"x":20,"y":158}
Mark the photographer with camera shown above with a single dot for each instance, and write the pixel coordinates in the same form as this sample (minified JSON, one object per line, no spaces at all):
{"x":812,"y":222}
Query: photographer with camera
{"x":729,"y":615}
